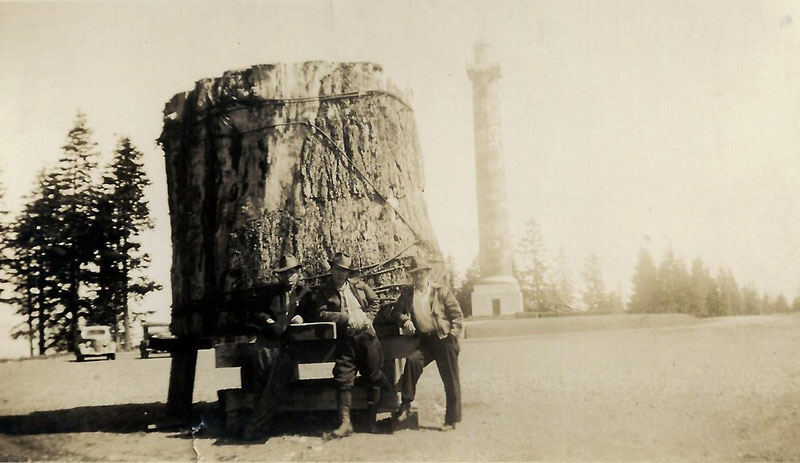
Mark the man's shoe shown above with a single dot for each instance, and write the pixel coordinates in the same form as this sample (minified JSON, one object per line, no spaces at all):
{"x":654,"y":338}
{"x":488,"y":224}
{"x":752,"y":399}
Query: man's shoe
{"x":448,"y":427}
{"x":405,"y":411}
{"x":373,"y":400}
{"x":344,"y":429}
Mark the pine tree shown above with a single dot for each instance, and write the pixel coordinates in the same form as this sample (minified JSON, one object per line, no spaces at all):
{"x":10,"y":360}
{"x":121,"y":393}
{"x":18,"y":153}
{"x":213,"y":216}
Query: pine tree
{"x":76,"y":242}
{"x":729,"y":294}
{"x":531,"y":269}
{"x":613,"y":302}
{"x":714,"y":306}
{"x":674,"y":287}
{"x":645,"y":285}
{"x":796,"y":304}
{"x":751,"y":302}
{"x":123,"y":215}
{"x":36,"y":261}
{"x":5,"y":238}
{"x":699,"y":287}
{"x":449,"y":277}
{"x":594,"y":292}
{"x":8,"y":296}
{"x":765,"y":304}
{"x":780,"y":305}
{"x":464,"y":290}
{"x":562,"y":284}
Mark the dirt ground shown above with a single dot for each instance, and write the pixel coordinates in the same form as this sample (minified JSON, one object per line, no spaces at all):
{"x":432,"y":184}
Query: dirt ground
{"x":639,"y":389}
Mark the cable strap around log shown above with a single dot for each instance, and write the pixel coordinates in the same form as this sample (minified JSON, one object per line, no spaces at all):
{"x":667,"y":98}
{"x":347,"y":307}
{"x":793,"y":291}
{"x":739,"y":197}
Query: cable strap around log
{"x":260,"y":103}
{"x":249,"y":104}
{"x":316,"y":129}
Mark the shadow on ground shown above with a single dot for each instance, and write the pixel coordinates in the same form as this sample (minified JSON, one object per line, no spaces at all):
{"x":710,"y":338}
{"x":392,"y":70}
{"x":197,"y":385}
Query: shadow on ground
{"x":206,"y":421}
{"x":124,"y":418}
{"x":304,"y":424}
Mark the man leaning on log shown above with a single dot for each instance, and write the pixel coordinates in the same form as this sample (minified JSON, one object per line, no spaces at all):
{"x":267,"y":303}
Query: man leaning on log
{"x":432,"y":311}
{"x":288,"y":302}
{"x":352,"y":305}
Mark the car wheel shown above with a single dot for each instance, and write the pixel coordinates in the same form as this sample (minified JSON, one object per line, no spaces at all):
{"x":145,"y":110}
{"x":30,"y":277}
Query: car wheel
{"x":145,"y":354}
{"x":111,"y":356}
{"x":80,"y":358}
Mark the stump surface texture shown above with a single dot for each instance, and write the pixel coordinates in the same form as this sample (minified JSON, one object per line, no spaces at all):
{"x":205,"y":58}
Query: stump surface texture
{"x":307,"y":158}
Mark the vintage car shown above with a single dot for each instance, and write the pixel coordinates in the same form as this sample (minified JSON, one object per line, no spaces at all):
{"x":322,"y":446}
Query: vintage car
{"x":155,"y":340}
{"x":95,"y":341}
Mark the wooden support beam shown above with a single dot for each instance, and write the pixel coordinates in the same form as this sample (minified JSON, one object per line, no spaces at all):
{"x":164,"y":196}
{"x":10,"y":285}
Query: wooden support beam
{"x":181,"y":382}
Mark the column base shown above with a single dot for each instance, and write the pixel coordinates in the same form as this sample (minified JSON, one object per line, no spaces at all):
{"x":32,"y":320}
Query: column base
{"x":496,"y":297}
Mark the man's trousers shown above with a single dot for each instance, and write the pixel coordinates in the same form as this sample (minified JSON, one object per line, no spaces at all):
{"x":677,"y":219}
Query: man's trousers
{"x":363,"y":353}
{"x":445,"y":353}
{"x":276,"y":372}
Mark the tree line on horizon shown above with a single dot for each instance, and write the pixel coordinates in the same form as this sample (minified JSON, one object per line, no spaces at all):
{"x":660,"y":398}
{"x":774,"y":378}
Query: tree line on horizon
{"x":666,"y":287}
{"x":546,"y":284}
{"x":73,"y":253}
{"x":672,"y":287}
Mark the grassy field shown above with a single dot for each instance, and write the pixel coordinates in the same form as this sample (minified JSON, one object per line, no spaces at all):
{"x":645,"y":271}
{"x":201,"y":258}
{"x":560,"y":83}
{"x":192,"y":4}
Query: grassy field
{"x":606,"y":388}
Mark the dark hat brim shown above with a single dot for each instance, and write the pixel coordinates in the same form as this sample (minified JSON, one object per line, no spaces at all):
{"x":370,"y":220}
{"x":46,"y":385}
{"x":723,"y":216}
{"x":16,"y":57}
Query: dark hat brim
{"x":284,"y":269}
{"x":332,"y":264}
{"x":418,"y":269}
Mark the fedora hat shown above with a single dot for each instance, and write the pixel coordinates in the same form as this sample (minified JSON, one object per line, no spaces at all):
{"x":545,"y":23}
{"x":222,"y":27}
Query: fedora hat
{"x":287,"y":262}
{"x":342,"y":260}
{"x":418,"y":264}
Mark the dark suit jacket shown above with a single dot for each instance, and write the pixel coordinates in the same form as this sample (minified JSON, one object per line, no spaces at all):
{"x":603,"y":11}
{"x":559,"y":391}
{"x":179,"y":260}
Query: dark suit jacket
{"x":277,"y":309}
{"x":328,"y":304}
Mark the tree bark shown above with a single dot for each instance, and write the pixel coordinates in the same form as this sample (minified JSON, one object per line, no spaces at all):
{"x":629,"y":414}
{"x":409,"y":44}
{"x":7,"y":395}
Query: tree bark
{"x":42,"y":314}
{"x":308,"y":158}
{"x":126,"y":322}
{"x":29,"y":321}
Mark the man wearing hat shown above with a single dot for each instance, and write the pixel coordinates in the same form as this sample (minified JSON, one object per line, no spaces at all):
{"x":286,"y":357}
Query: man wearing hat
{"x":288,"y":303}
{"x":432,"y":311}
{"x":352,"y":305}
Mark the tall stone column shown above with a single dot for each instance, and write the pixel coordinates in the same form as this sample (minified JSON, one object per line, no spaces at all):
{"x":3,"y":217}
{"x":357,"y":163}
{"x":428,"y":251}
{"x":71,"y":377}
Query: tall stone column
{"x":497,"y":291}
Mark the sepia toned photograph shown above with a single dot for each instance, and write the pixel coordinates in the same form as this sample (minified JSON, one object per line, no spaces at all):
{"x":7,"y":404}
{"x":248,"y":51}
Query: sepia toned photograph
{"x":442,"y":230}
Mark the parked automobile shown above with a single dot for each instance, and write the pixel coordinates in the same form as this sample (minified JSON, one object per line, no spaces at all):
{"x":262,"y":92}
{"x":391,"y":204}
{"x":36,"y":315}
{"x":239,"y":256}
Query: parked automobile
{"x":154,"y":339}
{"x":95,"y":341}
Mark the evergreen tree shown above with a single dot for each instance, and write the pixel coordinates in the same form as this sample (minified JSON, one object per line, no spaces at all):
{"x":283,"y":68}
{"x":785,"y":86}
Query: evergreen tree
{"x":729,"y":294}
{"x":796,"y":304}
{"x":714,"y":306}
{"x":123,"y":215}
{"x":766,"y":304}
{"x":780,"y":305}
{"x":5,"y":238}
{"x":35,"y":260}
{"x":78,"y":209}
{"x":464,"y":290}
{"x":613,"y":301}
{"x":8,"y":296}
{"x":751,"y":302}
{"x":562,"y":284}
{"x":594,"y":292}
{"x":72,"y":203}
{"x":450,"y":272}
{"x":674,"y":288}
{"x":699,"y":287}
{"x":645,"y":285}
{"x":531,"y":269}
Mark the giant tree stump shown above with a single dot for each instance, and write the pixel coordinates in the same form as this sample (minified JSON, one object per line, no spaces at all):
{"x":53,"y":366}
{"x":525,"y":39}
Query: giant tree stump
{"x":305,"y":158}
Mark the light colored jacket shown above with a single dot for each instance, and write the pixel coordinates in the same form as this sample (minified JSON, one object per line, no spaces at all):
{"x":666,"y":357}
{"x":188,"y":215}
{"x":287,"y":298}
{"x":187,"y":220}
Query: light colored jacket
{"x":329,"y":305}
{"x":447,"y":315}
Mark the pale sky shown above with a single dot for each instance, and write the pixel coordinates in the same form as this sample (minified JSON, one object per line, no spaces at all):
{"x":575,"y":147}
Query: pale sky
{"x":626,"y":124}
